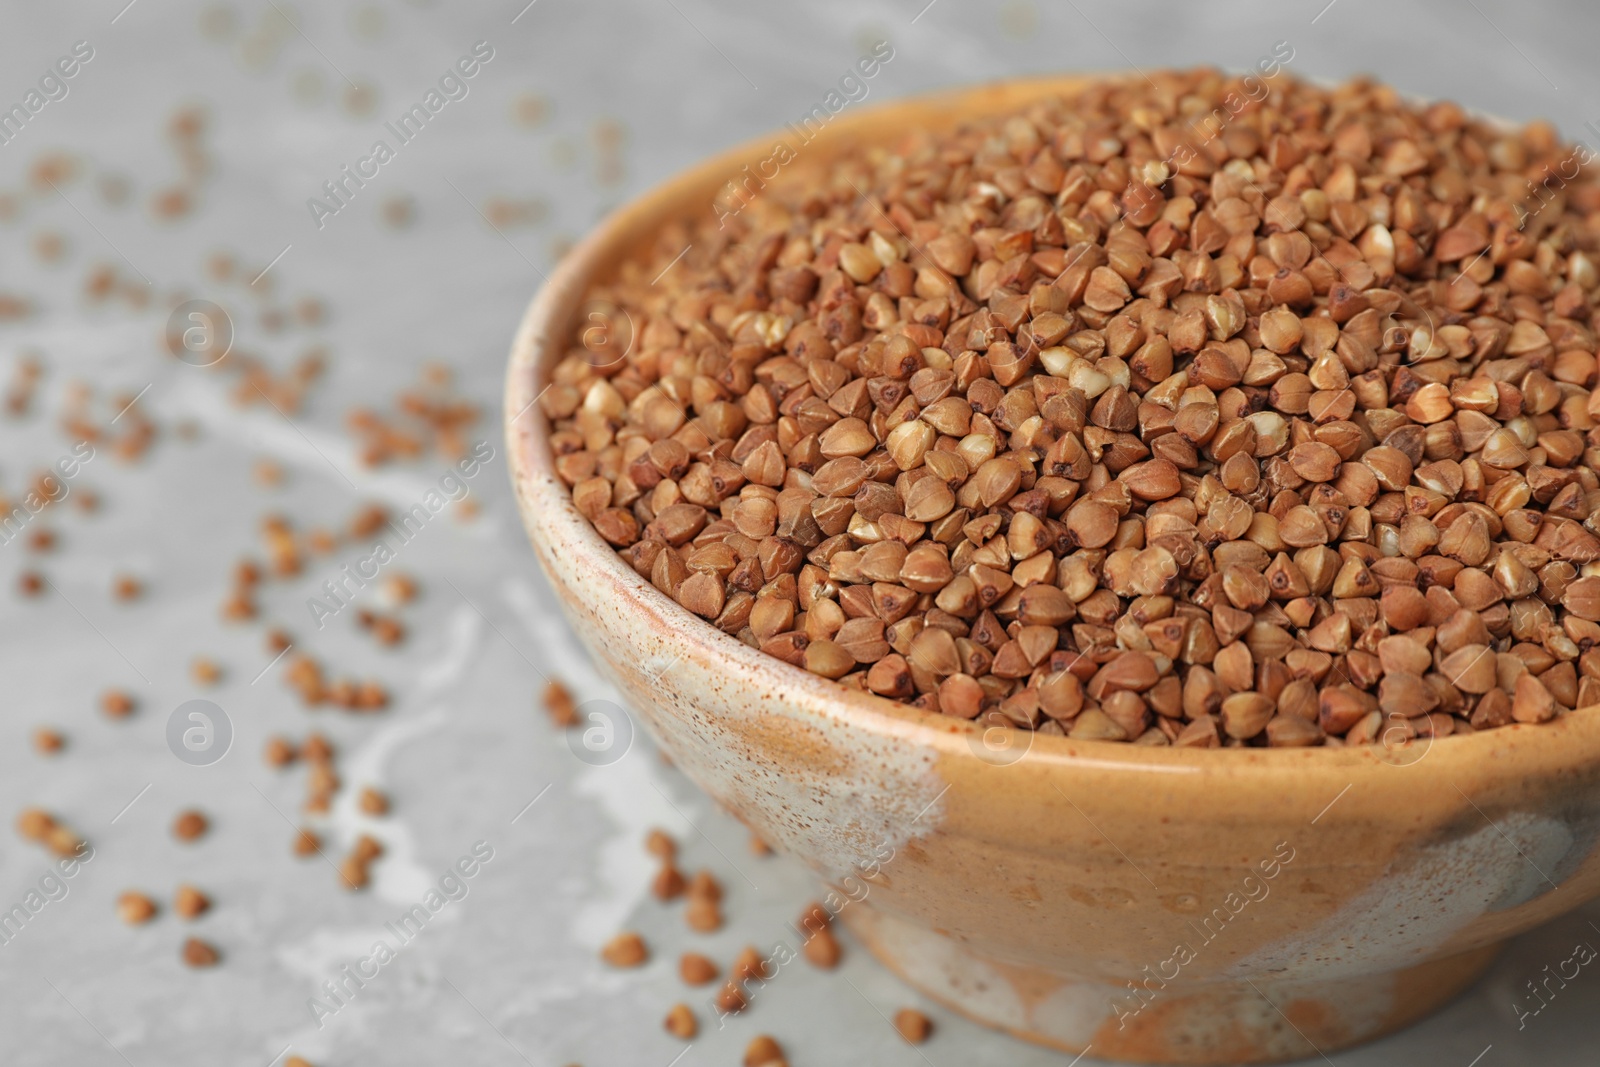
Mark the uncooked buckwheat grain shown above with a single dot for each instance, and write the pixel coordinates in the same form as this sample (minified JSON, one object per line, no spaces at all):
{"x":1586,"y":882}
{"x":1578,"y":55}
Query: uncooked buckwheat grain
{"x":1094,"y":421}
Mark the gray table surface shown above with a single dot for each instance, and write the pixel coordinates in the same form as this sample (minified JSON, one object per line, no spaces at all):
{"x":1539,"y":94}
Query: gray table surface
{"x":508,"y":974}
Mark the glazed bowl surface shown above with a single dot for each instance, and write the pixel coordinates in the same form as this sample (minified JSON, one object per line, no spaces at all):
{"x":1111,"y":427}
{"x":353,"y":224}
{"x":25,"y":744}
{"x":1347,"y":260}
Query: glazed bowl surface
{"x":1141,"y":903}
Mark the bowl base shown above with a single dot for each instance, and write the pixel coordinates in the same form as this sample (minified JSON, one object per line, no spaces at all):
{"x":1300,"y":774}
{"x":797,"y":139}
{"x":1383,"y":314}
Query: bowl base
{"x":1260,"y":1020}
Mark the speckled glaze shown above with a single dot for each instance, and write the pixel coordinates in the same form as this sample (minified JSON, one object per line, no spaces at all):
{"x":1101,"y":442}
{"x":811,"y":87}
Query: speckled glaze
{"x":1144,"y":904}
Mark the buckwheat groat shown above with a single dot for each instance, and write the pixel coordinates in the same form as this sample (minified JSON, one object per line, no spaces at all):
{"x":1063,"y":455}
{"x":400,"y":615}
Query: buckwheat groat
{"x":1208,"y":412}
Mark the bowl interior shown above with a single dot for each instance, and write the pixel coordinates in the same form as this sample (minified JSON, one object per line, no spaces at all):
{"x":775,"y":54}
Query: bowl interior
{"x":546,"y":333}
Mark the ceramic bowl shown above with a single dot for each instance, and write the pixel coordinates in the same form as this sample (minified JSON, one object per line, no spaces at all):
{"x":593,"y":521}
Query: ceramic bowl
{"x":1136,"y":903}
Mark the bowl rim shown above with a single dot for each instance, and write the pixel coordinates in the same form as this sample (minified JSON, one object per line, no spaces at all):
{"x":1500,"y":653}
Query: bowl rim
{"x":547,"y":509}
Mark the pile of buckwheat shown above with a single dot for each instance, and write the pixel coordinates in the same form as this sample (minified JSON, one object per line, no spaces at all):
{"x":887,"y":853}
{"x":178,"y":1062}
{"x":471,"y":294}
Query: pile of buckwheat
{"x":1129,"y":417}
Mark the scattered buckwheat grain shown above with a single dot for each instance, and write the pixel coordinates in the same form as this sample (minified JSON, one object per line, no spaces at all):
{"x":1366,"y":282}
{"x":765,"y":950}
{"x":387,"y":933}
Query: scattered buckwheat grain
{"x":189,"y":825}
{"x":661,"y":845}
{"x":558,"y":703}
{"x":306,"y":843}
{"x":189,"y":902}
{"x":750,"y":964}
{"x":625,"y":950}
{"x":681,"y":1023}
{"x":762,"y":1051}
{"x":703,"y":916}
{"x":387,"y":630}
{"x":704,"y":913}
{"x":268,"y":473}
{"x":317,"y":749}
{"x":38,"y":825}
{"x":731,"y":999}
{"x":135,"y":908}
{"x":116,"y":703}
{"x":278,"y":752}
{"x":669,"y":883}
{"x":913,"y":1025}
{"x":696,"y":969}
{"x":822,"y":949}
{"x":198,"y":953}
{"x":400,"y":589}
{"x":704,"y":886}
{"x":353,"y":872}
{"x":34,"y":823}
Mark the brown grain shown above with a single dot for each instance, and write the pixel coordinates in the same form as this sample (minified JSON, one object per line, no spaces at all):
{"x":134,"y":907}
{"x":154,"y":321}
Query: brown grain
{"x":625,"y":950}
{"x":912,"y":1025}
{"x":681,"y":1023}
{"x":822,"y":949}
{"x":278,"y":752}
{"x":660,"y":844}
{"x":189,"y":903}
{"x":703,"y":915}
{"x":306,"y":843}
{"x":372,"y":801}
{"x":205,"y":671}
{"x":189,"y":825}
{"x":135,"y":908}
{"x":668,"y":883}
{"x":763,"y":1051}
{"x":559,"y":704}
{"x":354,"y":873}
{"x":1219,"y":464}
{"x":198,"y":953}
{"x":731,"y":999}
{"x":750,"y":964}
{"x":696,"y":969}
